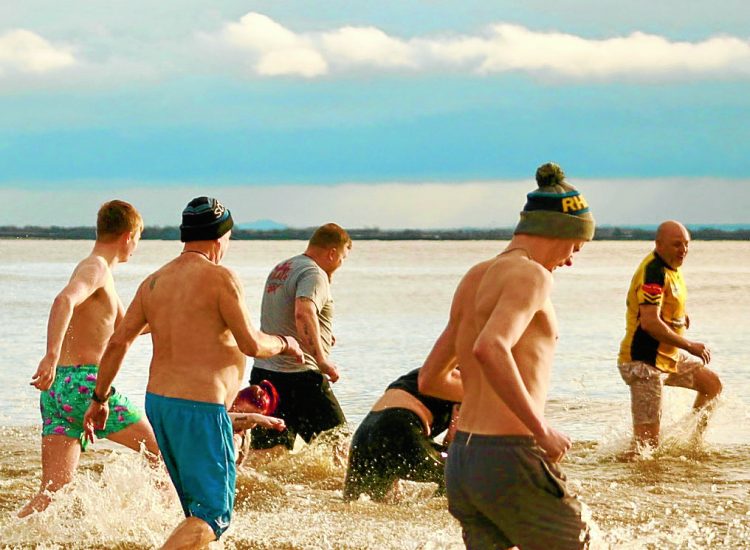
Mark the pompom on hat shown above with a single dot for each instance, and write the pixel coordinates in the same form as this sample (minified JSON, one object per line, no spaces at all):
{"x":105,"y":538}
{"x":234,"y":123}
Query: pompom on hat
{"x":204,"y":219}
{"x":556,"y":209}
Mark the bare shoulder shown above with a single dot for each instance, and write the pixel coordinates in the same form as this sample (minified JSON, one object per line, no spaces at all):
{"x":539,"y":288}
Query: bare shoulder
{"x":93,"y":269}
{"x":511,"y":270}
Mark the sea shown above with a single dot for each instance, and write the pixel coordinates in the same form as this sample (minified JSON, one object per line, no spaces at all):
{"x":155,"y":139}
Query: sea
{"x":391,"y":302}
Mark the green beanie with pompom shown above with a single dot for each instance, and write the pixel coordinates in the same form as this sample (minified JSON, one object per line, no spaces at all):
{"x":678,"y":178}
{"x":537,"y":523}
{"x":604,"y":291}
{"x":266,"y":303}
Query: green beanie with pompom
{"x":556,"y":209}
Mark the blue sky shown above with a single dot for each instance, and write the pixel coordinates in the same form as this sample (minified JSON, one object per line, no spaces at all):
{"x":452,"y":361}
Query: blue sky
{"x":391,"y":114}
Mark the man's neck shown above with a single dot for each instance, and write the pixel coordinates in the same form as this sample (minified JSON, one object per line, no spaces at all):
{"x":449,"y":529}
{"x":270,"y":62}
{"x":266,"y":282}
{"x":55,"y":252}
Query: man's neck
{"x":318,"y":256}
{"x":202,"y":248}
{"x":532,"y":246}
{"x":108,"y":252}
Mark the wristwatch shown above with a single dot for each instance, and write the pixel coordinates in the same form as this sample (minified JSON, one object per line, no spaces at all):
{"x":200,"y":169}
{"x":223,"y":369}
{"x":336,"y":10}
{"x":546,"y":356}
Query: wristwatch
{"x":96,"y":398}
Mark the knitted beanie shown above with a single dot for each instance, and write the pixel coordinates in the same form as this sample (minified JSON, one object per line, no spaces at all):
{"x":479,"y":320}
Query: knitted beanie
{"x":556,"y":209}
{"x":204,"y":219}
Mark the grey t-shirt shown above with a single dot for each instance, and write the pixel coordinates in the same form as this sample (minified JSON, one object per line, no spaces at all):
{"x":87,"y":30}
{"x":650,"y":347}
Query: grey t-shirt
{"x":297,"y":277}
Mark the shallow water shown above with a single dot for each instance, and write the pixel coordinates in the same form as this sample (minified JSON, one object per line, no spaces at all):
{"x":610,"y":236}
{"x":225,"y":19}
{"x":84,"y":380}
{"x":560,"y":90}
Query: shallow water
{"x":391,"y":302}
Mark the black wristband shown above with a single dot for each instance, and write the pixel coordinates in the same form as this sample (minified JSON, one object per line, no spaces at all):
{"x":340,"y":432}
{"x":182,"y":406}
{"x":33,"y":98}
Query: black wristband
{"x":96,"y":398}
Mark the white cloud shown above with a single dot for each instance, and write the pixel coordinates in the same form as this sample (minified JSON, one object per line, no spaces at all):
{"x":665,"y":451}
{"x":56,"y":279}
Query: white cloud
{"x":367,"y":46}
{"x":23,"y":51}
{"x":512,"y":47}
{"x":502,"y":48}
{"x":279,"y":50}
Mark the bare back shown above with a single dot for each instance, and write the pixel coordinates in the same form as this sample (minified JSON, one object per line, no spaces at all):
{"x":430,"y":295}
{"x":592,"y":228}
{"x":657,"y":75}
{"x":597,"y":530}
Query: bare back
{"x":502,"y":285}
{"x":195,"y":355}
{"x":93,"y":320}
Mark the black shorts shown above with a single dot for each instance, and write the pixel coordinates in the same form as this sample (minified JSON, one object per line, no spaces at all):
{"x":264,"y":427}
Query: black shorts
{"x":306,"y":404}
{"x":389,"y":445}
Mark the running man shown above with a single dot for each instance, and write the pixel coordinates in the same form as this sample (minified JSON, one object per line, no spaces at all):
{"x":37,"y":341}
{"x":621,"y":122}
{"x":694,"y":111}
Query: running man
{"x":503,"y":480}
{"x":297,"y":300}
{"x":201,"y":333}
{"x":83,"y":317}
{"x":656,"y":321}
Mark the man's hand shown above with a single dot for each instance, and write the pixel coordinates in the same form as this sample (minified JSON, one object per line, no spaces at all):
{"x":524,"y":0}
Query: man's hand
{"x":293,"y":349}
{"x":699,"y":349}
{"x":554,"y":443}
{"x":329,"y":370}
{"x":45,"y":373}
{"x":95,"y":419}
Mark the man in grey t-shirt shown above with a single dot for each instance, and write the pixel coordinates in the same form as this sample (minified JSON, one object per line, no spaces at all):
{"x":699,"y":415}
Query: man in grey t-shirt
{"x":297,"y":301}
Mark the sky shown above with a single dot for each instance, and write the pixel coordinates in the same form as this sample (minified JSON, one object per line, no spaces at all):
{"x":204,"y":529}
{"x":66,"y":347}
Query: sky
{"x":391,"y":114}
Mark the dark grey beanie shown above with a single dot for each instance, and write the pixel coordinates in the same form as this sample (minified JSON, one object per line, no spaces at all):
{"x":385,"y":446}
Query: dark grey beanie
{"x":204,"y":219}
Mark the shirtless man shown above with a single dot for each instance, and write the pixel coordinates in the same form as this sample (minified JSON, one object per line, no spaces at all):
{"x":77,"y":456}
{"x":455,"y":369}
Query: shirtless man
{"x":83,"y":317}
{"x":201,"y":334}
{"x":503,"y":481}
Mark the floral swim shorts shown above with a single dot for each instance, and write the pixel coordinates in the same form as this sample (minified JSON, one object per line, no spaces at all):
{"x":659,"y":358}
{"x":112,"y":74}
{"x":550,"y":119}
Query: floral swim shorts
{"x":65,"y":403}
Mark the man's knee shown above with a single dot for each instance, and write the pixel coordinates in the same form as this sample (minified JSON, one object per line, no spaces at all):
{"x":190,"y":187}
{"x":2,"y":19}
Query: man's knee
{"x":708,"y":383}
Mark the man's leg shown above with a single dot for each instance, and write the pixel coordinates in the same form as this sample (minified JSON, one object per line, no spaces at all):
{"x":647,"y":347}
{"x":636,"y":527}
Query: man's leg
{"x":60,"y":455}
{"x":191,"y":533}
{"x":136,"y":434}
{"x":708,"y":386}
{"x":645,"y":385}
{"x":317,"y":408}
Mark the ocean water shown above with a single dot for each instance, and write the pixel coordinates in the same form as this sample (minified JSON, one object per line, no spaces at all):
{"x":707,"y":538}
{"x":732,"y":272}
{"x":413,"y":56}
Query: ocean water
{"x":392,"y":300}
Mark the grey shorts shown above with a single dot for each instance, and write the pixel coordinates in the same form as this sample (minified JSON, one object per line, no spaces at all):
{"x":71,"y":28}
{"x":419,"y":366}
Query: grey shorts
{"x":505,"y":493}
{"x":646,"y":382}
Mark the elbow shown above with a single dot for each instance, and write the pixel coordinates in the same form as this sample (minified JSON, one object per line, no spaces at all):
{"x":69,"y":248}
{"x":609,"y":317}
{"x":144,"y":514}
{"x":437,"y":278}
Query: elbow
{"x":649,"y":326}
{"x":482,"y":351}
{"x":424,"y":383}
{"x":117,"y":345}
{"x":63,"y":302}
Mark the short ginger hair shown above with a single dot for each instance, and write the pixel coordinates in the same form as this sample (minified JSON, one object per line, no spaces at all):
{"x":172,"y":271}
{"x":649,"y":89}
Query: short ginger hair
{"x":115,"y":218}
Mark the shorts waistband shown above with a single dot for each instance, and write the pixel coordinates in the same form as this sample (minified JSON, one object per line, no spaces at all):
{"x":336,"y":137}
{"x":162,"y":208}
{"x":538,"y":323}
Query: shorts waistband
{"x":185,"y":403}
{"x":84,"y":367}
{"x":486,"y":440}
{"x":398,"y":412}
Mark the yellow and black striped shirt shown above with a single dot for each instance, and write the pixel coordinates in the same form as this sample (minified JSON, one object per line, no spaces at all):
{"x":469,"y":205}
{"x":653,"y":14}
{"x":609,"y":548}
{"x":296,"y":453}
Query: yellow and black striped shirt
{"x":656,"y":284}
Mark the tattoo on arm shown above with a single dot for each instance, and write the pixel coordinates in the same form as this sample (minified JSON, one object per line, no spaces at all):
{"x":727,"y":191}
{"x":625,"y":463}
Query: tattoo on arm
{"x":308,"y":337}
{"x":152,"y":283}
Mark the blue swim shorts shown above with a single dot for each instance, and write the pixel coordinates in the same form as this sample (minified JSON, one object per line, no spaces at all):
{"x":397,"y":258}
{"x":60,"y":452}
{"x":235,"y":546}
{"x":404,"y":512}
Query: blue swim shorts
{"x":195,"y":439}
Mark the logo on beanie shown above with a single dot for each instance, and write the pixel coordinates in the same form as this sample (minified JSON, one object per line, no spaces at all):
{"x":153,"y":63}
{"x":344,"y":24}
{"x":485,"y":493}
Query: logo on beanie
{"x":574,"y":204}
{"x":218,"y":208}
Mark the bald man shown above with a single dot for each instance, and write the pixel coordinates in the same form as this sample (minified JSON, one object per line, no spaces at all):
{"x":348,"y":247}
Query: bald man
{"x":655,"y":351}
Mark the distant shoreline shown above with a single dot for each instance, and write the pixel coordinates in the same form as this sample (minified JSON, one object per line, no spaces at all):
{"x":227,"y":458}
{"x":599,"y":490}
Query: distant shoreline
{"x":370,"y":234}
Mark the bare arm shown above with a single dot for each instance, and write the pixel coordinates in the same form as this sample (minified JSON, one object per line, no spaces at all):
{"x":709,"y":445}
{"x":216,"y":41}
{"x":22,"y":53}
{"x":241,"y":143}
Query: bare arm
{"x":651,"y":322}
{"x":251,"y":341}
{"x":308,"y":330}
{"x":121,"y":315}
{"x":245,"y":421}
{"x":438,"y":376}
{"x":86,"y":280}
{"x":126,"y":332}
